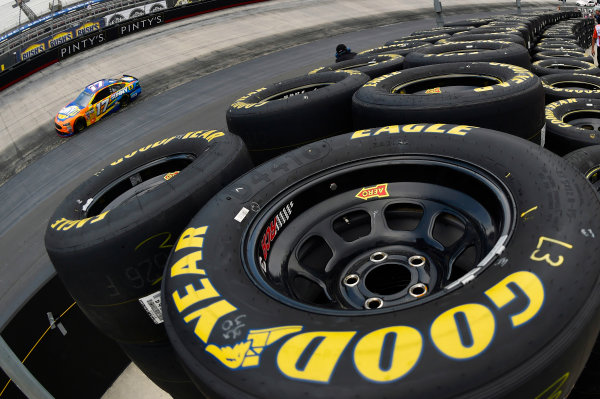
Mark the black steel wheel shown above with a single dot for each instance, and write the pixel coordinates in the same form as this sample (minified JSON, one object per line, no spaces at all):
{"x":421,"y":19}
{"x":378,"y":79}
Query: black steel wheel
{"x":572,"y":123}
{"x":426,"y":259}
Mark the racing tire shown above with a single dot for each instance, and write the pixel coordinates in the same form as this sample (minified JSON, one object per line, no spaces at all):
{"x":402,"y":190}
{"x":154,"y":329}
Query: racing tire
{"x":400,"y":48}
{"x":125,"y":100}
{"x":79,"y":125}
{"x":560,"y":86}
{"x":476,"y":22}
{"x":110,"y":237}
{"x":423,"y":38}
{"x":470,"y":37}
{"x":451,"y":30}
{"x":373,"y":65}
{"x":476,"y":51}
{"x":571,"y":124}
{"x":554,"y":54}
{"x":282,"y":116}
{"x":496,"y":96}
{"x":564,"y":65}
{"x":244,"y":328}
{"x":556,"y":47}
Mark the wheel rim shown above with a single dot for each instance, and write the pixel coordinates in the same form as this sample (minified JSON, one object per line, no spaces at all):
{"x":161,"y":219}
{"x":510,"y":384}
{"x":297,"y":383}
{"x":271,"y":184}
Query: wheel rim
{"x":136,"y":183}
{"x":394,"y":245}
{"x":584,"y":119}
{"x":446,"y":84}
{"x":79,"y":125}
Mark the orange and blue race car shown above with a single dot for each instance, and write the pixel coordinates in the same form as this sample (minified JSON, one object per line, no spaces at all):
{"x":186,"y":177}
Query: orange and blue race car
{"x":95,"y":102}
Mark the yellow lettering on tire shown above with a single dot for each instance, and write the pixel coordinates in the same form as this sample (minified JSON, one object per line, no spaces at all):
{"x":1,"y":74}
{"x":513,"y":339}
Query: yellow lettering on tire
{"x":187,"y":265}
{"x":387,"y":129}
{"x":447,"y":337}
{"x":546,"y":257}
{"x":322,"y":361}
{"x":207,"y":318}
{"x":407,"y":349}
{"x":191,"y":237}
{"x":530,"y":284}
{"x":412,"y":128}
{"x":361,"y":133}
{"x":435,"y":128}
{"x":194,"y":295}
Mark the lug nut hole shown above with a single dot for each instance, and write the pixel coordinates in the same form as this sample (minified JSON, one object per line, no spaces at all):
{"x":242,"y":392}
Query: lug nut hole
{"x":378,"y":257}
{"x":373,"y":303}
{"x":417,"y":261}
{"x":418,"y":290}
{"x":351,"y":280}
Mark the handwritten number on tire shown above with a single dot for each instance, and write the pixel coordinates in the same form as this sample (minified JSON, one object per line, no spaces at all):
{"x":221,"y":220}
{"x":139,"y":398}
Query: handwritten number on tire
{"x":540,"y":255}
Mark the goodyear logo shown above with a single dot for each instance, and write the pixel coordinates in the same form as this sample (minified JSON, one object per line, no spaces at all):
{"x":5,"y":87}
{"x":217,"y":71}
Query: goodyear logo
{"x":201,"y":307}
{"x":169,"y":176}
{"x":32,"y":50}
{"x":59,"y":39}
{"x":242,"y":104}
{"x":436,"y":90}
{"x":88,"y":28}
{"x":378,"y":191}
{"x":247,"y":353}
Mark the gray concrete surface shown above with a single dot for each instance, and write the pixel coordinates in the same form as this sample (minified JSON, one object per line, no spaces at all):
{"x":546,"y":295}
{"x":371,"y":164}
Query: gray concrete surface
{"x":174,"y":53}
{"x":169,"y":61}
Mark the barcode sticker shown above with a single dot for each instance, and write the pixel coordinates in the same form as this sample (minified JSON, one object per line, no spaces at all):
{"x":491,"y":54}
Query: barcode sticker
{"x":151,"y":304}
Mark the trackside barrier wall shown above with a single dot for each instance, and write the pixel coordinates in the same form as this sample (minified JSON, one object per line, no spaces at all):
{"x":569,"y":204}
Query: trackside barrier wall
{"x":12,"y":70}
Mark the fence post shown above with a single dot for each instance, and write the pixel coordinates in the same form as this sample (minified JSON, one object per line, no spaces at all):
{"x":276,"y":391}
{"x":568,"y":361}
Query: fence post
{"x":19,"y":374}
{"x":519,"y":7}
{"x":439,"y":17}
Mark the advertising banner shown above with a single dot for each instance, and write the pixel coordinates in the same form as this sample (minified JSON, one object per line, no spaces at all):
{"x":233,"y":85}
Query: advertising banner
{"x":61,"y":38}
{"x":137,"y":25}
{"x":80,"y":44}
{"x":6,"y":61}
{"x":134,"y":12}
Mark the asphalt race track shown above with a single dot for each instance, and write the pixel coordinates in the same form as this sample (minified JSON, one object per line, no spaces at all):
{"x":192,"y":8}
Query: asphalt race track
{"x":29,"y":198}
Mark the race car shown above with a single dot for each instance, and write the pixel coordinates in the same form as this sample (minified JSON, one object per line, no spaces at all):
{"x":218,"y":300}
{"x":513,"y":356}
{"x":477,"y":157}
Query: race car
{"x":95,"y":102}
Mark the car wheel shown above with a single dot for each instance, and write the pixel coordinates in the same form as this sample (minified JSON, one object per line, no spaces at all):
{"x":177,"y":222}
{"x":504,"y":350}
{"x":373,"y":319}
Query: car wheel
{"x":496,"y":96}
{"x":572,"y":55}
{"x":110,"y":237}
{"x":79,"y":125}
{"x":561,"y":86}
{"x":125,"y":100}
{"x":282,"y":116}
{"x":371,"y":65}
{"x":571,"y":124}
{"x":564,"y":65}
{"x":427,"y":259}
{"x":475,"y":51}
{"x":401,"y":48}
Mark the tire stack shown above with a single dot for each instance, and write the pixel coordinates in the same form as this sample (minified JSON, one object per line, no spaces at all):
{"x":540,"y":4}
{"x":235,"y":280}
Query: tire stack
{"x":404,"y":232}
{"x":109,"y":240}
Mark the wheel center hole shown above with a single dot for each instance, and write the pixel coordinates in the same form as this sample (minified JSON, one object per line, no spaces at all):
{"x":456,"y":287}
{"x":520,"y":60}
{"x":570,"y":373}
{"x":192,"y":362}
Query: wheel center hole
{"x":387,"y":279}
